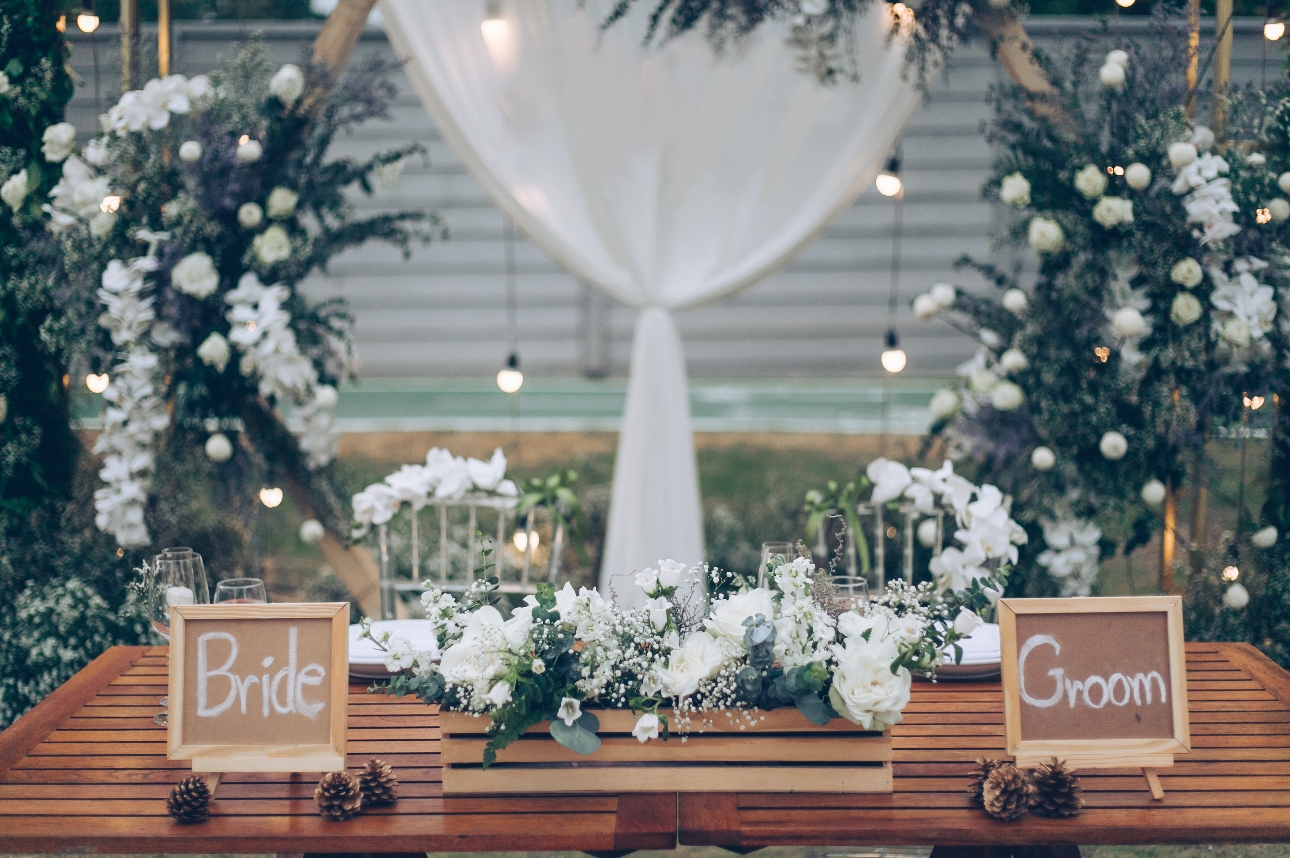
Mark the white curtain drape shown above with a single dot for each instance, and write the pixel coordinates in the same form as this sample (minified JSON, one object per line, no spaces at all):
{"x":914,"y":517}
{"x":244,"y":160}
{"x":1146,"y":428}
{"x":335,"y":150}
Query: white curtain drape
{"x":666,"y":176}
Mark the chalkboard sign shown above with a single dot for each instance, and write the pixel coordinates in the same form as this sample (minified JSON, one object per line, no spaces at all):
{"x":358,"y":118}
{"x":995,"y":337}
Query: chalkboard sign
{"x":259,"y":688}
{"x":1100,"y":683}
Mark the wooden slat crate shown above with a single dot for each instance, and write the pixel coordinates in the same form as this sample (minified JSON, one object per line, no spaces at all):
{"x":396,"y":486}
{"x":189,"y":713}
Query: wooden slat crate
{"x":780,"y":752}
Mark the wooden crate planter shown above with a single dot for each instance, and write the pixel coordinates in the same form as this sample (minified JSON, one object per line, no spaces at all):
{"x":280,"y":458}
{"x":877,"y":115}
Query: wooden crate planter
{"x":783,"y":753}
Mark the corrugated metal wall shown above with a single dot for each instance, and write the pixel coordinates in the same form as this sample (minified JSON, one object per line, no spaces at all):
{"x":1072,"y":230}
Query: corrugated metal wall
{"x":442,"y":312}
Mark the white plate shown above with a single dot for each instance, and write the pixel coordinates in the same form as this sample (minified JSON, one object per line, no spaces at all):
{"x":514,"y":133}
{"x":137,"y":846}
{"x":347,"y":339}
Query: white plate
{"x":367,"y":660}
{"x":981,"y":647}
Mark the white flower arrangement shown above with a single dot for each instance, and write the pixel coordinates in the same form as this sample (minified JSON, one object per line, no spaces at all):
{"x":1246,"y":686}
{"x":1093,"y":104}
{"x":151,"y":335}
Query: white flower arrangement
{"x":1072,"y":555}
{"x":444,"y":477}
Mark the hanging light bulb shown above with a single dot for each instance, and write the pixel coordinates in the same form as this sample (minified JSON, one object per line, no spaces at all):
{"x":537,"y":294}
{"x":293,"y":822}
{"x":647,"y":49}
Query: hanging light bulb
{"x":87,"y":21}
{"x":97,"y":383}
{"x":499,"y":37}
{"x":509,"y":377}
{"x":1274,"y":29}
{"x":521,"y":540}
{"x":893,"y":358}
{"x":271,"y":497}
{"x":1124,"y":4}
{"x":888,"y":181}
{"x":1231,"y":573}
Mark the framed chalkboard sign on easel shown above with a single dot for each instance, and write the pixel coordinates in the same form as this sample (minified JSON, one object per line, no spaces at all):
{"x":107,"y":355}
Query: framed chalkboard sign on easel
{"x":1100,"y":683}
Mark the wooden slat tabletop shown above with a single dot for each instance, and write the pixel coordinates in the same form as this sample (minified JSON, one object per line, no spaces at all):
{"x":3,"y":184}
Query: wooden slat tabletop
{"x":86,"y":771}
{"x":1234,"y":786}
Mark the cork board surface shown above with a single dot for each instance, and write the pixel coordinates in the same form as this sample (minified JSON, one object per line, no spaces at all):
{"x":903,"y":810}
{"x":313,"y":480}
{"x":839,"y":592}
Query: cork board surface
{"x":1094,"y":676}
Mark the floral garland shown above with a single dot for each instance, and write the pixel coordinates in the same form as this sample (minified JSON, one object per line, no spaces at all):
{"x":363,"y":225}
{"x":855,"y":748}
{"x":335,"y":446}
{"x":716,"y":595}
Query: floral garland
{"x":444,"y":477}
{"x":757,"y":649}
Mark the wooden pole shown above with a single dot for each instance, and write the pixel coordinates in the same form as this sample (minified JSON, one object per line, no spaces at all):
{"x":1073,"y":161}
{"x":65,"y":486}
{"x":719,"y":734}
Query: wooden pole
{"x":1193,"y":53}
{"x":1168,"y":539}
{"x":333,"y":47}
{"x":129,"y":26}
{"x":1222,"y":64}
{"x":163,"y":38}
{"x":1016,"y":53}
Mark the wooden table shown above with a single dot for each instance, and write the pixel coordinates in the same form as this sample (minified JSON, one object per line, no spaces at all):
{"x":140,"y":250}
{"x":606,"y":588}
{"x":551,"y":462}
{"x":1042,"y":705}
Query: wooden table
{"x":86,"y":771}
{"x":1234,"y":786}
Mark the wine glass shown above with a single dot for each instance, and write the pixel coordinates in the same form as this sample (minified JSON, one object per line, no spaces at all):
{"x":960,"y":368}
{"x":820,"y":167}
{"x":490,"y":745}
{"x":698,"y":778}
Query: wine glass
{"x":241,"y":591}
{"x":853,"y":591}
{"x":178,"y":577}
{"x":773,"y":555}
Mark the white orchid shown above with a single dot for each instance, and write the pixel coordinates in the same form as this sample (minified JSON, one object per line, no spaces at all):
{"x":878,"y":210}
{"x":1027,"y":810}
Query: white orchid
{"x":486,"y":475}
{"x":889,"y":479}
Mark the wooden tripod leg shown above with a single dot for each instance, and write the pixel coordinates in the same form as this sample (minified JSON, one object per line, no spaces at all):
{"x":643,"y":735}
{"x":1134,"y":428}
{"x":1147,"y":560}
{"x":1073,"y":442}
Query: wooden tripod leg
{"x":1153,"y":782}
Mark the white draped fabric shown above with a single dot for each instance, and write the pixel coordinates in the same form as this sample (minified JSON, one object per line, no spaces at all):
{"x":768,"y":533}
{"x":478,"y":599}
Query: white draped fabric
{"x":668,"y":177}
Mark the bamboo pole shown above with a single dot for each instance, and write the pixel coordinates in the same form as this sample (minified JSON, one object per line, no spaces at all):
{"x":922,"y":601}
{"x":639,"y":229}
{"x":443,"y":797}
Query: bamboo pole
{"x":129,"y":27}
{"x":1168,"y":539}
{"x":1016,"y":53}
{"x":1222,"y":64}
{"x":1193,"y":54}
{"x":163,"y":38}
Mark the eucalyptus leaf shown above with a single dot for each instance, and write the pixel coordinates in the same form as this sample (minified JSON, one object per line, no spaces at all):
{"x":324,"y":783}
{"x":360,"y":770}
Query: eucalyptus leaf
{"x":588,"y":722}
{"x":575,"y":738}
{"x":814,"y":709}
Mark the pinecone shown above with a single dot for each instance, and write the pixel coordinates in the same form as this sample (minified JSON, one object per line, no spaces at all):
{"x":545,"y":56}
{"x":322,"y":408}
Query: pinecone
{"x":984,"y":765}
{"x":1056,"y":790}
{"x":378,"y":783}
{"x":190,"y":800}
{"x":338,"y":796}
{"x":1006,"y":792}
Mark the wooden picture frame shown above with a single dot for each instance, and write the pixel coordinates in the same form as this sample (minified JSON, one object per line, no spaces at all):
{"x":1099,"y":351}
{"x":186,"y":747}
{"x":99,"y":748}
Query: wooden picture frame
{"x":274,"y":755}
{"x":1104,"y":751}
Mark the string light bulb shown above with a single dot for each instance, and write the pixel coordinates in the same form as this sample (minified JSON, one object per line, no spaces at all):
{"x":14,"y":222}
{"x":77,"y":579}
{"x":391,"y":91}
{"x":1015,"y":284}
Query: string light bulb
{"x":893,"y":358}
{"x":509,"y":377}
{"x":97,"y":383}
{"x":110,"y":204}
{"x":521,"y":540}
{"x":1124,"y":4}
{"x":499,"y":37}
{"x":87,"y":21}
{"x":888,"y":181}
{"x":271,"y":497}
{"x":1231,"y":573}
{"x":1254,"y":403}
{"x":1274,"y":30}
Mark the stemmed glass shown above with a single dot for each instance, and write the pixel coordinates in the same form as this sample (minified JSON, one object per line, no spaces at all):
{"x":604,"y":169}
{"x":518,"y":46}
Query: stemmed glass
{"x":853,"y":591}
{"x":241,"y":591}
{"x":773,"y":554}
{"x":178,"y":577}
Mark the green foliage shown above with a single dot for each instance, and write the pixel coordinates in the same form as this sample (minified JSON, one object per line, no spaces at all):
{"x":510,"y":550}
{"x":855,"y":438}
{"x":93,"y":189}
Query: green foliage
{"x":842,"y":499}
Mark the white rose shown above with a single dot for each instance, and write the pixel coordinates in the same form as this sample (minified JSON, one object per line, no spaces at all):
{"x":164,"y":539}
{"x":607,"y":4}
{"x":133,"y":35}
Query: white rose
{"x":646,"y":727}
{"x":272,"y":246}
{"x":1118,"y":57}
{"x":1128,"y":322}
{"x":214,"y":351}
{"x":1236,"y":332}
{"x":326,"y":397}
{"x":219,"y":448}
{"x":1014,"y":360}
{"x":1236,"y":597}
{"x":312,"y":531}
{"x":1090,"y":181}
{"x":1187,"y":273}
{"x":1045,"y":235}
{"x":250,"y":215}
{"x":670,"y":573}
{"x":967,"y":622}
{"x":474,"y":658}
{"x":925,"y":307}
{"x":945,"y":404}
{"x":1153,"y":493}
{"x":499,"y":695}
{"x":1113,"y":211}
{"x":1043,"y":459}
{"x":15,"y":189}
{"x":1283,"y":182}
{"x":282,"y":203}
{"x":864,"y":690}
{"x":102,"y":223}
{"x":1111,"y":75}
{"x":1015,"y":301}
{"x":1265,"y":538}
{"x":249,"y":152}
{"x":287,"y":84}
{"x":1007,"y":396}
{"x":1113,"y":446}
{"x":910,"y":629}
{"x":96,"y":151}
{"x":927,"y":533}
{"x":59,"y":142}
{"x":982,"y":382}
{"x":1279,"y":209}
{"x":699,"y":658}
{"x":1014,"y":191}
{"x":728,"y":614}
{"x":190,"y":151}
{"x":1138,"y":176}
{"x":1186,"y":309}
{"x":1181,"y":154}
{"x":1203,"y":138}
{"x":195,"y":275}
{"x":943,"y":294}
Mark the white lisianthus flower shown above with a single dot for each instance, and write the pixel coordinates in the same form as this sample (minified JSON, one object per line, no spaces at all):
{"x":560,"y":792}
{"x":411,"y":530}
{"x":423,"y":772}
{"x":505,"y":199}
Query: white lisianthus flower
{"x":102,"y":223}
{"x":1006,"y":396}
{"x":499,"y":695}
{"x":944,"y":295}
{"x":272,"y":246}
{"x":1187,"y":273}
{"x":1113,"y":446}
{"x":646,"y":727}
{"x":864,"y":690}
{"x":312,"y":531}
{"x":1279,"y":209}
{"x":1185,"y":309}
{"x":1137,"y":176}
{"x":250,"y":215}
{"x":1014,"y":191}
{"x":925,"y":307}
{"x":1111,"y":75}
{"x":1153,"y":493}
{"x":647,"y":580}
{"x":249,"y":152}
{"x":1090,"y":181}
{"x":214,"y":351}
{"x":1043,"y":459}
{"x":282,"y":203}
{"x":726,"y":619}
{"x":1128,"y":322}
{"x":15,"y":189}
{"x":967,"y":622}
{"x":945,"y":404}
{"x":288,"y":83}
{"x":1236,"y":597}
{"x":1045,"y":235}
{"x":219,"y":448}
{"x":670,"y":573}
{"x":195,"y":275}
{"x":1015,"y":301}
{"x":1014,"y":360}
{"x":59,"y":142}
{"x":700,"y":657}
{"x":1182,"y":154}
{"x":570,"y":710}
{"x":1265,"y":538}
{"x":1113,"y":211}
{"x":190,"y":151}
{"x":1237,"y":332}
